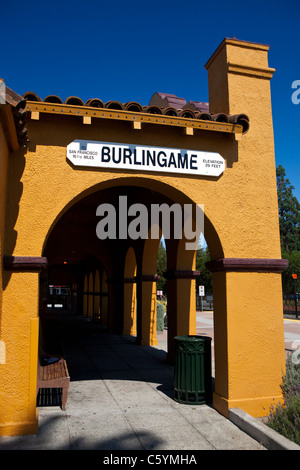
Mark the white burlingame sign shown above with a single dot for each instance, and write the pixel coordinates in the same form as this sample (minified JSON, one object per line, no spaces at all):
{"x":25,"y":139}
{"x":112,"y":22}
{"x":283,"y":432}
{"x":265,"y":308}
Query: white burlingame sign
{"x":142,"y":158}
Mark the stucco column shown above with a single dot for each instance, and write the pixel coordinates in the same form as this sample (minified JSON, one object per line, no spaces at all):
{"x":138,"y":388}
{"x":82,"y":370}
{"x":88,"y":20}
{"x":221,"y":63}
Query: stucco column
{"x":181,"y":306}
{"x":104,"y":300}
{"x":115,"y":305}
{"x":129,"y":327}
{"x":239,"y":82}
{"x":248,"y":314}
{"x":248,"y":334}
{"x":237,"y":72}
{"x":146,"y":298}
{"x":20,"y":315}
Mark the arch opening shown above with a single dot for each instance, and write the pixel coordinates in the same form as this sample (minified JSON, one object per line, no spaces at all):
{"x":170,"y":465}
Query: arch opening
{"x":111,"y":276}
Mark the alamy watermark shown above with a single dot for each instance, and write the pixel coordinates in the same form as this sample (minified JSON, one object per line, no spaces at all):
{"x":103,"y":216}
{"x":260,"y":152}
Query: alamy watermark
{"x":138,"y":221}
{"x":296,"y":93}
{"x":2,"y":91}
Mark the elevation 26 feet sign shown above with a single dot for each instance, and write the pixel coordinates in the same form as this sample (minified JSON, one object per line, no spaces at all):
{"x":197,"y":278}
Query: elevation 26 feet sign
{"x":142,"y":158}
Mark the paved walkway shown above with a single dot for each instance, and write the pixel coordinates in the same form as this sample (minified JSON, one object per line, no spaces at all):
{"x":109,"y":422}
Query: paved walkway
{"x":121,"y":398}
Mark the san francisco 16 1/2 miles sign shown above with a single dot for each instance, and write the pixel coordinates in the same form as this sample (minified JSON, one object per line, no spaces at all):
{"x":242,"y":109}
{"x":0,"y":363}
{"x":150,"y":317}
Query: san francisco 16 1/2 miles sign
{"x":142,"y":158}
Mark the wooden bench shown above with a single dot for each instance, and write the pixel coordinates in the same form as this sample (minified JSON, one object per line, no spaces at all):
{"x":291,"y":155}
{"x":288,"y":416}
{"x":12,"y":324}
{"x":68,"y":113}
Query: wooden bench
{"x":54,"y":375}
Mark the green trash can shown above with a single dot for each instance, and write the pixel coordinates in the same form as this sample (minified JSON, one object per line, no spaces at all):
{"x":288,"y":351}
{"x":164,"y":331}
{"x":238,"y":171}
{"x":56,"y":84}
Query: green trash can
{"x":192,"y":370}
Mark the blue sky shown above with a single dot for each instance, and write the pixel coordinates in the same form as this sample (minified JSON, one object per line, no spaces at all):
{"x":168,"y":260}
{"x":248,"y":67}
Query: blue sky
{"x":128,"y":50}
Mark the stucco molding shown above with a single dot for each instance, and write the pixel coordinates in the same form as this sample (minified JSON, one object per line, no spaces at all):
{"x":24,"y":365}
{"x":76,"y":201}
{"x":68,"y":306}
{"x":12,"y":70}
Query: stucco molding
{"x":259,"y":72}
{"x":237,"y":43}
{"x":129,"y":280}
{"x":132,"y":280}
{"x":267,"y":265}
{"x":182,"y":274}
{"x":25,"y":263}
{"x":148,"y":278}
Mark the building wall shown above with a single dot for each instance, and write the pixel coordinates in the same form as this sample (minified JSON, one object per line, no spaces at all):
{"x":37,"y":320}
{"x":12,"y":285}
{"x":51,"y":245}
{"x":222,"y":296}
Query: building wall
{"x":241,"y":222}
{"x":4,"y":152}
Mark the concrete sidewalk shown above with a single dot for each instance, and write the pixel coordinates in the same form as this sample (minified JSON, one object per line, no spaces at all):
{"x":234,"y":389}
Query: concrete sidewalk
{"x":121,"y":398}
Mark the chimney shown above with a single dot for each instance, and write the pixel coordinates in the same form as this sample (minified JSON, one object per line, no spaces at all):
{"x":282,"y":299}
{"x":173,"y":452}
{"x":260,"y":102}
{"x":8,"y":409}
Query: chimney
{"x":239,"y":78}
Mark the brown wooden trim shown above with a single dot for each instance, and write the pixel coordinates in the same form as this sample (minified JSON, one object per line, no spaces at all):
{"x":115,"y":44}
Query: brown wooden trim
{"x":267,"y":265}
{"x":25,"y":263}
{"x":182,"y":274}
{"x":129,"y":280}
{"x":148,"y":277}
{"x":143,"y":277}
{"x":130,"y":116}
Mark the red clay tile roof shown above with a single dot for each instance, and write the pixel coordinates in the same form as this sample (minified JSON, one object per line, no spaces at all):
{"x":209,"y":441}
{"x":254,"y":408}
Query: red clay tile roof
{"x":160,"y":103}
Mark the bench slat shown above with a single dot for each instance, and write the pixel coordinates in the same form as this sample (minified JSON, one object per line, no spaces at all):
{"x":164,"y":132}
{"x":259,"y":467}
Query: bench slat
{"x":54,"y":375}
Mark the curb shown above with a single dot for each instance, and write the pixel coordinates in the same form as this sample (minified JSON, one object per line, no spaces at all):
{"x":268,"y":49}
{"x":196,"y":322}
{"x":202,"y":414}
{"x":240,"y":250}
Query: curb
{"x":259,"y":431}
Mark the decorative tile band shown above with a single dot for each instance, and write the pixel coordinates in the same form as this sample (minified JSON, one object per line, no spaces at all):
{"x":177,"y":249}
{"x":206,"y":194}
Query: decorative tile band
{"x":267,"y":265}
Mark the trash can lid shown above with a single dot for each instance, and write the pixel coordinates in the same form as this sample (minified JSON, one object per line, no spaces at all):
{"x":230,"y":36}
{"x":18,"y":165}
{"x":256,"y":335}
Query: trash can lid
{"x":192,"y":338}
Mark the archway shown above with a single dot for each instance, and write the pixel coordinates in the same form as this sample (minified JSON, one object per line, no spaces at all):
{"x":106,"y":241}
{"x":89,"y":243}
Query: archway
{"x":126,"y":300}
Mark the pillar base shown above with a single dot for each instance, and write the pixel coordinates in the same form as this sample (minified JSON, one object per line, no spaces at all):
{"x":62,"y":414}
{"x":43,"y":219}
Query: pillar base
{"x":153,"y":342}
{"x":19,"y":429}
{"x":256,"y":407}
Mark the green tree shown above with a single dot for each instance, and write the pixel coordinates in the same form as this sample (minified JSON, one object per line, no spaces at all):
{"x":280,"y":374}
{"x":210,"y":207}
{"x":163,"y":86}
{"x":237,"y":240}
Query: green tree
{"x":293,"y":268}
{"x":205,"y":279}
{"x":289,"y":223}
{"x":289,"y":213}
{"x":162,"y":268}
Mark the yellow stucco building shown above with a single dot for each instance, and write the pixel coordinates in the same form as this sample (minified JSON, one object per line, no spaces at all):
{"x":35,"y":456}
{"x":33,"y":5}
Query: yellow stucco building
{"x":60,"y":161}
